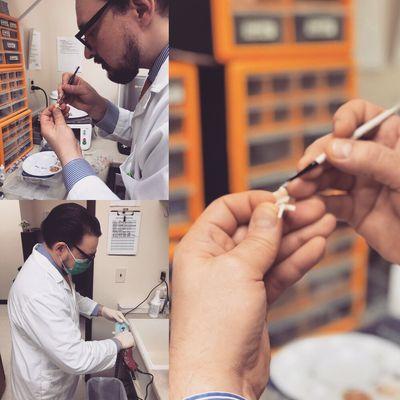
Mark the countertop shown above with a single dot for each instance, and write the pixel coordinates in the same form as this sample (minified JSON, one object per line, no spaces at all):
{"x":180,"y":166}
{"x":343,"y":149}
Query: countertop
{"x":102,"y":153}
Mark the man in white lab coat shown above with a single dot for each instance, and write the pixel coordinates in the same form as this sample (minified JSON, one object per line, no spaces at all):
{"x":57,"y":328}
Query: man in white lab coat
{"x":48,"y":353}
{"x":122,"y":36}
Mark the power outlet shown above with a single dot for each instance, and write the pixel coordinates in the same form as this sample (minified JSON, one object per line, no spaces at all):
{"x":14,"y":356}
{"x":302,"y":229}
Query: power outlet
{"x":30,"y":86}
{"x":120,"y":275}
{"x":163,"y":274}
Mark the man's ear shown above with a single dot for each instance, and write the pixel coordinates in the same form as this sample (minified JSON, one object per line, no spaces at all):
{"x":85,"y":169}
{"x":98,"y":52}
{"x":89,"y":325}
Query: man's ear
{"x":145,"y":10}
{"x":59,"y":248}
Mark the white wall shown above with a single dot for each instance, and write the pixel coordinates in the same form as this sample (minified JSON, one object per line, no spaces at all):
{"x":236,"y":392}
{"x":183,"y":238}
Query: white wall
{"x":56,"y":18}
{"x":143,"y":270}
{"x":36,"y":211}
{"x":10,"y":245}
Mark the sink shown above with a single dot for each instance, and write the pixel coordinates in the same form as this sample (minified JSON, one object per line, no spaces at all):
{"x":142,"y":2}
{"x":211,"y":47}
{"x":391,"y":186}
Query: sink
{"x":152,"y":341}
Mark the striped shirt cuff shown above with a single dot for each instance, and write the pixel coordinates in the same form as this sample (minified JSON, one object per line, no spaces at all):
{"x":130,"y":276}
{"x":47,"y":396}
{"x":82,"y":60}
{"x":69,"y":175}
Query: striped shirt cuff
{"x":110,"y":119}
{"x":75,"y":171}
{"x":215,"y":396}
{"x":118,"y":343}
{"x":95,"y":312}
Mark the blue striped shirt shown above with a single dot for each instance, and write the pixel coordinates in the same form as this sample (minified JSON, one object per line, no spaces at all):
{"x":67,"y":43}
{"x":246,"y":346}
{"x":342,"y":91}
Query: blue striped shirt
{"x":215,"y":396}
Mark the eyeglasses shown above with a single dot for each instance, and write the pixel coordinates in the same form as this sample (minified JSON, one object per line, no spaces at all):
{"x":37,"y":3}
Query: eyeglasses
{"x":82,"y":33}
{"x":90,"y":258}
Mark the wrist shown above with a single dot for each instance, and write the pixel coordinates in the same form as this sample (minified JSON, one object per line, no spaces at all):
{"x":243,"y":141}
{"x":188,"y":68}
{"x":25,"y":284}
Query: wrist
{"x":99,"y":110}
{"x":65,"y":158}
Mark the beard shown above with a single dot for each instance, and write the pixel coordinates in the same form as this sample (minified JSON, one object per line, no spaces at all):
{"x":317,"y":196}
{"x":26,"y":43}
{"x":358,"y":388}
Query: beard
{"x":129,"y":66}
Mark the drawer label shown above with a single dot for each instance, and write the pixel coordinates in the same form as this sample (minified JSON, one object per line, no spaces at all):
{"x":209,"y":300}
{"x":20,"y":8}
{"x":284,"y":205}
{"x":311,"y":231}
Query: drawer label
{"x":319,"y":28}
{"x":258,"y":29}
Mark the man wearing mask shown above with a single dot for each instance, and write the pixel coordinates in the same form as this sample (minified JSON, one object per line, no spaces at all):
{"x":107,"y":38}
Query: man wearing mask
{"x":48,"y":353}
{"x":122,"y":36}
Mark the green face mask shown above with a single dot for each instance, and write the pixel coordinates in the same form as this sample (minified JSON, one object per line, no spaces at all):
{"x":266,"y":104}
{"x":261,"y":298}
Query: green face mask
{"x":80,"y":266}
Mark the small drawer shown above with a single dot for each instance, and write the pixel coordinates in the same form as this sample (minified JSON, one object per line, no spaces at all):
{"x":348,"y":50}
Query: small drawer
{"x":6,"y":33}
{"x":3,"y":87}
{"x":176,"y":92}
{"x":17,"y":94}
{"x":4,"y":23}
{"x":309,"y":110}
{"x":5,"y":111}
{"x":281,"y":83}
{"x":269,"y":149}
{"x":2,"y":58}
{"x":319,"y":27}
{"x":19,"y":74}
{"x":308,"y":81}
{"x":179,"y":207}
{"x":4,"y":98}
{"x":176,"y":163}
{"x":11,"y":75}
{"x":18,"y":106}
{"x":13,"y":25}
{"x":259,"y":29}
{"x":175,"y":123}
{"x":13,"y":58}
{"x":254,"y":85}
{"x":336,"y":79}
{"x":10,"y":45}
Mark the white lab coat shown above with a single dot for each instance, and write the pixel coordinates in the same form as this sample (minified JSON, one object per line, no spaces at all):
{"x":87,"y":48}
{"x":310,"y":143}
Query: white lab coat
{"x":146,"y":170}
{"x":48,"y":353}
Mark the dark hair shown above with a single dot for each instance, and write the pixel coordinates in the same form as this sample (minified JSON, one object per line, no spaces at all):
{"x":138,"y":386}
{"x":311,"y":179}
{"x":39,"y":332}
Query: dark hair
{"x":68,"y":223}
{"x":122,"y":6}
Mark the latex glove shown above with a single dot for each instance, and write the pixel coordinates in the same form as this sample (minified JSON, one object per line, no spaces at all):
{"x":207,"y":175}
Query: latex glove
{"x":236,"y":259}
{"x":126,"y":339}
{"x":82,"y":96}
{"x":59,"y":135}
{"x":367,"y":173}
{"x":113,"y":315}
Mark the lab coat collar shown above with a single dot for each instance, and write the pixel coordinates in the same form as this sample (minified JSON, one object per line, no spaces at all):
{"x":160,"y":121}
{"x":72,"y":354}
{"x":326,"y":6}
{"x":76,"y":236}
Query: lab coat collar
{"x":162,"y":78}
{"x":44,"y":263}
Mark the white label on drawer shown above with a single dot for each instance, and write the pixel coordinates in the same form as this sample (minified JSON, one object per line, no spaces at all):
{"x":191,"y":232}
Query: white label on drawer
{"x":176,"y":93}
{"x":259,"y":30}
{"x":14,"y":58}
{"x":11,"y":45}
{"x":321,"y":28}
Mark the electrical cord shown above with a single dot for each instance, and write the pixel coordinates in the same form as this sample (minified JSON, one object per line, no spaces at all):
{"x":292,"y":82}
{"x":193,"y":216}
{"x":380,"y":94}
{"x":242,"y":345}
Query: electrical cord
{"x":163,"y":281}
{"x":35,"y":88}
{"x":149,"y":384}
{"x":167,"y":298}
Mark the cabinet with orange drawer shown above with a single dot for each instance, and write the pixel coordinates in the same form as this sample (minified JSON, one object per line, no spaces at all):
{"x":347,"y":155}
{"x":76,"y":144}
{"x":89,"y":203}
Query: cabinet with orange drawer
{"x":276,"y":109}
{"x":239,"y":29}
{"x":186,"y":167}
{"x":330,"y":298}
{"x":16,"y":138}
{"x":13,"y":93}
{"x":10,"y":42}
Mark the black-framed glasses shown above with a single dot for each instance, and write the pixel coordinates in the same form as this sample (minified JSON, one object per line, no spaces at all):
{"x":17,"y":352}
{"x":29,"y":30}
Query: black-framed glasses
{"x":82,"y":33}
{"x":90,"y":258}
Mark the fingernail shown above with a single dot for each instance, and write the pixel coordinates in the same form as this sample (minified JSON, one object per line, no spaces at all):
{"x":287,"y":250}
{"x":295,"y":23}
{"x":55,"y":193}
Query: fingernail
{"x":268,"y":219}
{"x":341,"y":149}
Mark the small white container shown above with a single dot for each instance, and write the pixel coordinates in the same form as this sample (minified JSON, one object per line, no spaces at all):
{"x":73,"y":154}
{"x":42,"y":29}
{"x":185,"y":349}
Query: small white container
{"x":53,"y":97}
{"x":155,"y":305}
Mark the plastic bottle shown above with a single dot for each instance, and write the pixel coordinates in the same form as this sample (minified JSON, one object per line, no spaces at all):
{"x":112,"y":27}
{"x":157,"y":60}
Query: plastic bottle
{"x":155,"y":305}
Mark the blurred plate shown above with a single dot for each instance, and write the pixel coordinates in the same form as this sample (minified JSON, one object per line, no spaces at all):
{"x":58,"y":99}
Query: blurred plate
{"x":42,"y":164}
{"x":338,"y":367}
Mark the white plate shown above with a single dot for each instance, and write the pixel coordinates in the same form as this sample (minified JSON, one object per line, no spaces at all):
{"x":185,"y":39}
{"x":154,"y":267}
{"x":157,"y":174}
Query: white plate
{"x":75,"y":113}
{"x":329,"y":366}
{"x":42,"y":164}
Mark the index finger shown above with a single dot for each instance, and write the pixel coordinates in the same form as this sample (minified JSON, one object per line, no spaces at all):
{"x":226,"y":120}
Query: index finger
{"x":65,"y":77}
{"x":58,"y":117}
{"x":233,"y":210}
{"x":353,"y":114}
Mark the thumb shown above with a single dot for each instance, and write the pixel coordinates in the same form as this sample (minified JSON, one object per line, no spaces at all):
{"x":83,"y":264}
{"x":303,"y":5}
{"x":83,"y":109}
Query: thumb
{"x":260,"y":246}
{"x":365,"y":158}
{"x":75,"y":90}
